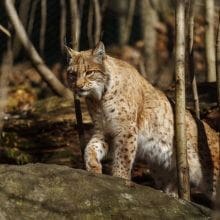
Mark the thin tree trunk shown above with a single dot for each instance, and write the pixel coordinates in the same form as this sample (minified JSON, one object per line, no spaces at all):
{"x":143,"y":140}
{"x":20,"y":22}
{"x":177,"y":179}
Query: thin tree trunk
{"x":32,"y":17}
{"x":218,"y":61}
{"x":210,"y":40}
{"x":23,"y":14}
{"x":43,"y":25}
{"x":180,"y":135}
{"x":190,"y":55}
{"x":62,"y":24}
{"x":125,"y":24}
{"x":90,"y":25}
{"x":149,"y":19}
{"x":43,"y":70}
{"x":98,"y":21}
{"x":75,"y":24}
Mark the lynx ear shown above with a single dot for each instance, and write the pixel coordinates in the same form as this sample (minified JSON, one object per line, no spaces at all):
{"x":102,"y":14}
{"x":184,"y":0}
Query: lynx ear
{"x":71,"y":52}
{"x":99,"y":52}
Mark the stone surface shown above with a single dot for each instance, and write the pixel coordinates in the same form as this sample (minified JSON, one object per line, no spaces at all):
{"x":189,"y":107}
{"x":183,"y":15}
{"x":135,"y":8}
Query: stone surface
{"x":40,"y":191}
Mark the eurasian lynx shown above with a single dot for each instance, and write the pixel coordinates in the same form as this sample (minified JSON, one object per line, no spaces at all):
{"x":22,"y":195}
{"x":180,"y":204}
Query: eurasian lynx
{"x":138,"y":121}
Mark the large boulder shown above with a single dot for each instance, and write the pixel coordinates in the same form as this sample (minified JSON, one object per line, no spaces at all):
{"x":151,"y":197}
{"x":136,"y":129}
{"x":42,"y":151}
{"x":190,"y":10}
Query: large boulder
{"x":40,"y":191}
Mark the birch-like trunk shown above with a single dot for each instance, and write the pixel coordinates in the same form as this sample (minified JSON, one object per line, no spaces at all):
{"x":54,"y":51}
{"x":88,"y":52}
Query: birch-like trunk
{"x":210,"y":40}
{"x":75,"y":24}
{"x":180,"y":128}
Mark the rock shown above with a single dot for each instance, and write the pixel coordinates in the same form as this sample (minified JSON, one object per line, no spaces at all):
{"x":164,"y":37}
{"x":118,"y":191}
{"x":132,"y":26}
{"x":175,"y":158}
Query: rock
{"x":40,"y":191}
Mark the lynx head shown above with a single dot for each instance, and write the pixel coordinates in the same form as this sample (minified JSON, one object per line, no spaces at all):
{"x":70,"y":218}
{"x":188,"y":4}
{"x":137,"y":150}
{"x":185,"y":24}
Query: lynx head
{"x":86,"y":72}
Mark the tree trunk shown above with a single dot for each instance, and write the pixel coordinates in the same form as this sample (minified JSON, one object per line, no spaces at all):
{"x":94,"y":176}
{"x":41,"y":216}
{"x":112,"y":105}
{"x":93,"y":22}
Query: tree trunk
{"x":23,"y":14}
{"x":62,"y":24}
{"x":43,"y":26}
{"x":190,"y":55}
{"x":210,"y":40}
{"x":180,"y":135}
{"x":90,"y":25}
{"x":75,"y":24}
{"x":98,"y":21}
{"x":218,"y":61}
{"x":43,"y":70}
{"x":125,"y":21}
{"x":149,"y":20}
{"x":32,"y":17}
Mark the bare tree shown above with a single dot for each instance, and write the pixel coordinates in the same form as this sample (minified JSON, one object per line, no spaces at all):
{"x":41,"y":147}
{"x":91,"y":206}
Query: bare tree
{"x":32,"y":17}
{"x":180,"y":134}
{"x":43,"y":70}
{"x":90,"y":25}
{"x":149,"y":19}
{"x":190,"y":54}
{"x":210,"y":40}
{"x":98,"y":21}
{"x":62,"y":24}
{"x":23,"y":14}
{"x":75,"y":23}
{"x":125,"y":21}
{"x":218,"y":61}
{"x":43,"y":26}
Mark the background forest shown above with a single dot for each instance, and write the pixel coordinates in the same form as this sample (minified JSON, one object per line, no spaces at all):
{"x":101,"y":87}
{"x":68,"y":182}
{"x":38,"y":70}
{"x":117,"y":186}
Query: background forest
{"x":36,"y":111}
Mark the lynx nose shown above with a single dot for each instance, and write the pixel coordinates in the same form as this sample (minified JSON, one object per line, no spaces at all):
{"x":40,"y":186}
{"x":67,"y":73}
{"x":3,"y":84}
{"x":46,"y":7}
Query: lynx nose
{"x":80,"y":83}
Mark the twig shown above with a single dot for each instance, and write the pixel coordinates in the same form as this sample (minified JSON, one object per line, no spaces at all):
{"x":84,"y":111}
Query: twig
{"x":5,"y":31}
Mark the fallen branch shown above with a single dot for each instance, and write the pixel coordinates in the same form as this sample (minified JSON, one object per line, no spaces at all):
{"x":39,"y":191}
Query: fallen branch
{"x":43,"y":70}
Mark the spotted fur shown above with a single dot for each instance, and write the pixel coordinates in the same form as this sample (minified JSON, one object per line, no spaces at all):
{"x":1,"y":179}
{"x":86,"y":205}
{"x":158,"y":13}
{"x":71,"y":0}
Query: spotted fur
{"x":138,"y":120}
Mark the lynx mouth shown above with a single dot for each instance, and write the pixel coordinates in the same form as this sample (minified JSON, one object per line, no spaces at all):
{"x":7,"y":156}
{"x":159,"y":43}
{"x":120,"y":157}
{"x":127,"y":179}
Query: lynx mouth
{"x":82,"y":92}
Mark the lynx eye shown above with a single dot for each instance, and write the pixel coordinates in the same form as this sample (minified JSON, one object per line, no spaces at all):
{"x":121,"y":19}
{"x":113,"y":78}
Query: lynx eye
{"x":90,"y":73}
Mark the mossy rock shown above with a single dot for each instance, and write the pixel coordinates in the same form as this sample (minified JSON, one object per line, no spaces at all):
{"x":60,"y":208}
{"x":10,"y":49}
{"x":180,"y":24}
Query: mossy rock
{"x":40,"y":191}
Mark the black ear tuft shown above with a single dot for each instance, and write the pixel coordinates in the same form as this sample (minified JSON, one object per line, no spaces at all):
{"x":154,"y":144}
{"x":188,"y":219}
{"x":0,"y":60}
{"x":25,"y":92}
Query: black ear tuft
{"x":99,"y":52}
{"x":70,"y":52}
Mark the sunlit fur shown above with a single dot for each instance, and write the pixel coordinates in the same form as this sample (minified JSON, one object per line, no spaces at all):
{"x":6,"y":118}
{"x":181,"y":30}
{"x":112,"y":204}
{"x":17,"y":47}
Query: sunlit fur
{"x":136,"y":120}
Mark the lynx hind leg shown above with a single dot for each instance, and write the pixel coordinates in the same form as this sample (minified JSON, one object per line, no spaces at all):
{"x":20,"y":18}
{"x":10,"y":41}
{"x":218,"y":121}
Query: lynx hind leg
{"x":95,"y":151}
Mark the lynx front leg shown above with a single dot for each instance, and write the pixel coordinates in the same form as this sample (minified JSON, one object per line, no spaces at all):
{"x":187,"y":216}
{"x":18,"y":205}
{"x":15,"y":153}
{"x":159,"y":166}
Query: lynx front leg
{"x":95,"y":150}
{"x":124,"y":155}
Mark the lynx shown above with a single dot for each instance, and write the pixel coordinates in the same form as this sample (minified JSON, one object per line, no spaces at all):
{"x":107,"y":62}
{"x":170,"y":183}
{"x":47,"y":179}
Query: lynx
{"x":136,"y":120}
